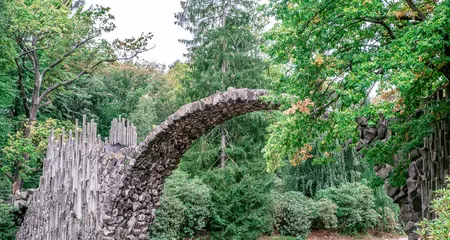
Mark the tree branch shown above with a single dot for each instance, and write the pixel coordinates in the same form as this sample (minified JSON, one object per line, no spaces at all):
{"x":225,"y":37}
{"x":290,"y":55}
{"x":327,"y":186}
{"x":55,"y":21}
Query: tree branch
{"x":30,"y":51}
{"x":45,"y":104}
{"x":65,"y":55}
{"x":367,"y":94}
{"x":382,"y":23}
{"x":415,"y":9}
{"x":23,"y":94}
{"x":86,"y":71}
{"x":64,"y":83}
{"x":8,"y":175}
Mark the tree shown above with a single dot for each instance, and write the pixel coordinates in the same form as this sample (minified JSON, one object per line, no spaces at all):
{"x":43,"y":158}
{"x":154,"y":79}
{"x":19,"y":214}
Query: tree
{"x":8,"y":94}
{"x":346,"y":59}
{"x":224,"y":49}
{"x":119,"y":88}
{"x":58,"y":47}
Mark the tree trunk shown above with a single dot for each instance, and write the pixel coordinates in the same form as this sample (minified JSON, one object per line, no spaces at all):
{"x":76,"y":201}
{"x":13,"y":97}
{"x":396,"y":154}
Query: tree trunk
{"x":32,"y":117}
{"x":223,"y":146}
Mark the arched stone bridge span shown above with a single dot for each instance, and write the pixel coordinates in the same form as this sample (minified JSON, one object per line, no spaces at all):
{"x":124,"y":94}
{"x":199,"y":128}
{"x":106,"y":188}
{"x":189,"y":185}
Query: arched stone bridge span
{"x":92,"y":191}
{"x":155,"y":158}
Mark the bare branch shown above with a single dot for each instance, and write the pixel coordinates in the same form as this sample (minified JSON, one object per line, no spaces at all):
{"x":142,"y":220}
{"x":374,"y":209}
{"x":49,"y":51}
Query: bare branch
{"x":50,"y":89}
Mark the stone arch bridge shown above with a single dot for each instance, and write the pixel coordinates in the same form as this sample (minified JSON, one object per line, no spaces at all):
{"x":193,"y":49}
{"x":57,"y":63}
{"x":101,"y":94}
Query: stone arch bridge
{"x":94,"y":189}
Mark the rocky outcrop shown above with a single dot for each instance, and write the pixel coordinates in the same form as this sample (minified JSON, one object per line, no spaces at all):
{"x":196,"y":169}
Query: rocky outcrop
{"x":428,"y":166}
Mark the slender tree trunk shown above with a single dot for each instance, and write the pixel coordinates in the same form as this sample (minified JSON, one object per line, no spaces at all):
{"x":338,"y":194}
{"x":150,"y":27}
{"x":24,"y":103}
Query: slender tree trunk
{"x":32,"y":117}
{"x":223,"y":145}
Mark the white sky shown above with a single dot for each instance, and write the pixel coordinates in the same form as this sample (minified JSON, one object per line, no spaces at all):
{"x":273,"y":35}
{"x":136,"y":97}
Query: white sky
{"x":156,"y":16}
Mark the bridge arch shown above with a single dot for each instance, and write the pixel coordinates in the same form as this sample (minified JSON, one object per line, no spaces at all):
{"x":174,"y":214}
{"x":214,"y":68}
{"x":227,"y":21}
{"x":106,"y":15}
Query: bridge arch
{"x":131,"y":199}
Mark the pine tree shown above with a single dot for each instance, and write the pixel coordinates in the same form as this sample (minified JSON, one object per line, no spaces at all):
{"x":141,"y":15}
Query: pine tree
{"x":224,"y":49}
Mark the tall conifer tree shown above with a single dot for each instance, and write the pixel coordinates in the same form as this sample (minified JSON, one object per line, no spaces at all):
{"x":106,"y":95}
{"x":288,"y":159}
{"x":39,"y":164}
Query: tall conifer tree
{"x":224,"y":49}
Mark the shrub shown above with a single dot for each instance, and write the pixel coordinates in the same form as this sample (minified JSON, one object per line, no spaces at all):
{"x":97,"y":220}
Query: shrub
{"x":185,"y":200}
{"x":239,"y":203}
{"x":387,"y":221}
{"x":170,"y":218}
{"x":355,"y":203}
{"x":34,"y":147}
{"x":326,"y":214}
{"x":388,"y":211}
{"x":293,"y":213}
{"x":8,"y":222}
{"x":438,"y":228}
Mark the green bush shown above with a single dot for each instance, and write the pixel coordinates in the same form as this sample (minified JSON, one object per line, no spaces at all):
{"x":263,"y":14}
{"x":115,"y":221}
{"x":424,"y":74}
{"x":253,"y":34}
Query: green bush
{"x":387,"y":221}
{"x":239,"y":203}
{"x":293,"y":213}
{"x":184,"y":208}
{"x":8,"y":222}
{"x":438,"y":228}
{"x":170,"y":218}
{"x":388,"y":211}
{"x":355,"y":203}
{"x":326,"y":214}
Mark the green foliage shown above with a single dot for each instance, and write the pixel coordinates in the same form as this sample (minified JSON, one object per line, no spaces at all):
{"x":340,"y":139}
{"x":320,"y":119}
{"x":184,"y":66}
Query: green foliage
{"x":438,"y":228}
{"x":7,"y":86}
{"x":388,"y":211}
{"x":8,"y":222}
{"x":144,"y":116}
{"x":355,"y":203}
{"x":224,"y":50}
{"x":169,"y":221}
{"x":311,"y":175}
{"x":33,"y":147}
{"x":185,"y":208}
{"x":351,"y":59}
{"x":293,"y":213}
{"x":326,"y":214}
{"x":137,"y":91}
{"x":239,"y":202}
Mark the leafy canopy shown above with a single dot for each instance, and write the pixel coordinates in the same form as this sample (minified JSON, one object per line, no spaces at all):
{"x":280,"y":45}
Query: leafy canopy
{"x":346,"y":59}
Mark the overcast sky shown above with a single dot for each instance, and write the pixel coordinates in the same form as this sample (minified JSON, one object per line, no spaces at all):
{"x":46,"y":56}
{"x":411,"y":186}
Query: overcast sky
{"x":157,"y":16}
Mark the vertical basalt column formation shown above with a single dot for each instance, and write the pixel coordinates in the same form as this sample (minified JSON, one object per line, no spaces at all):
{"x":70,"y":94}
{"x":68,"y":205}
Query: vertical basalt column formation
{"x":67,"y":204}
{"x":429,"y":166}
